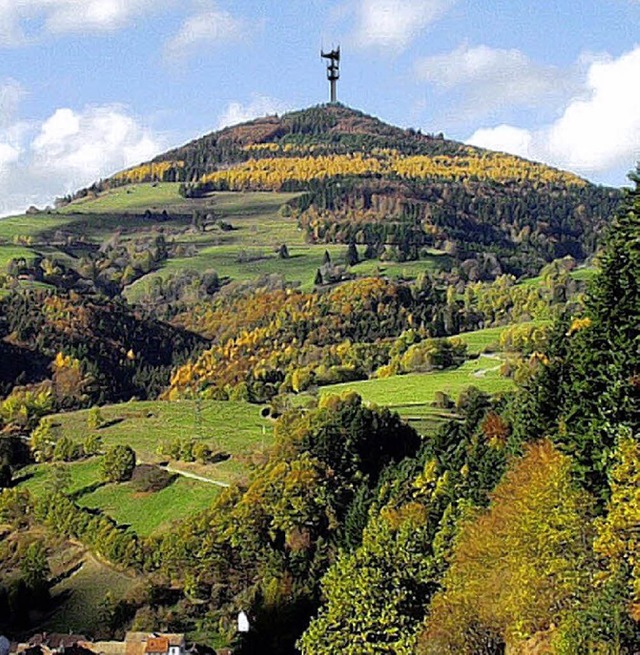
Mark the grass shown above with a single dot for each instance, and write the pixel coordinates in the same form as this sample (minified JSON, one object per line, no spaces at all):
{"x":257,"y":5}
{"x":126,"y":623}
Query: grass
{"x":128,"y":198}
{"x":146,"y":513}
{"x":81,"y":594}
{"x":137,"y":198}
{"x":488,"y":339}
{"x":246,"y":252}
{"x":405,"y":270}
{"x":413,"y":395}
{"x":420,"y":388}
{"x":29,"y":225}
{"x":300,"y":267}
{"x":581,"y":274}
{"x":235,"y":428}
{"x":149,"y":513}
{"x":7,"y":253}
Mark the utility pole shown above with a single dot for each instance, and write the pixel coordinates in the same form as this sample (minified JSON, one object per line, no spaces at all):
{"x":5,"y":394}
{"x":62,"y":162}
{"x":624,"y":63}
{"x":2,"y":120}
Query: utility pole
{"x":333,"y":70}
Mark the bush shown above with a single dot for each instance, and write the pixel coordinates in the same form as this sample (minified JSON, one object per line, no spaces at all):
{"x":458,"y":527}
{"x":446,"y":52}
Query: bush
{"x":118,"y":463}
{"x":94,"y":418}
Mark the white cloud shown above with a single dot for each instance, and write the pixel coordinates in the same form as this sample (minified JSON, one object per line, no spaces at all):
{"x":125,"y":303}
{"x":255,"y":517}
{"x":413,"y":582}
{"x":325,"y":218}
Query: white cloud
{"x":210,"y":27}
{"x":492,"y":78}
{"x":504,"y":138}
{"x":22,"y":20}
{"x":67,"y":151}
{"x":99,"y":139}
{"x":258,"y":106}
{"x":8,"y":155}
{"x":11,"y":93}
{"x":395,"y":24}
{"x":597,"y":131}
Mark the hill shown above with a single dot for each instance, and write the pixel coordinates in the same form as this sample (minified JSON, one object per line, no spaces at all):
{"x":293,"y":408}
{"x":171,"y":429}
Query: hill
{"x":92,"y":349}
{"x":399,"y":192}
{"x":340,"y":402}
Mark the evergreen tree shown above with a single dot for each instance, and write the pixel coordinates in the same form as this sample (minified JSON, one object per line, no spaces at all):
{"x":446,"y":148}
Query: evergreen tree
{"x":352,"y":257}
{"x":283,"y":251}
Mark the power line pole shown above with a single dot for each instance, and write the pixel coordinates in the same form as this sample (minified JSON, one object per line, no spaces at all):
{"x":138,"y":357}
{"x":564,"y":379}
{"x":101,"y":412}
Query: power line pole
{"x":333,"y":70}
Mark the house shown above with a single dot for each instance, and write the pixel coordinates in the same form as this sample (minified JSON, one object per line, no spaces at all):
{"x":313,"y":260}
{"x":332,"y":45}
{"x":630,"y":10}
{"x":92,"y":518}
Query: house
{"x":54,"y":644}
{"x":135,"y":643}
{"x":143,"y":643}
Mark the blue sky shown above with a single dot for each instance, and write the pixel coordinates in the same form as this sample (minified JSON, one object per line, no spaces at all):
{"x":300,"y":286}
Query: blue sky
{"x":88,"y":87}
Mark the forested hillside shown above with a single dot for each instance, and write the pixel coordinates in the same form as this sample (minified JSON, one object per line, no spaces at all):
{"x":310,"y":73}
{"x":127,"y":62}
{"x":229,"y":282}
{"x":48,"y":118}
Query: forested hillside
{"x":301,"y":368}
{"x":398,"y":192}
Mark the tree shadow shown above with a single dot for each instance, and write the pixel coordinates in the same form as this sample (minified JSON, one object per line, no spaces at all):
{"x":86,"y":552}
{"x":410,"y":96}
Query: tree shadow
{"x":111,"y":423}
{"x":88,"y":489}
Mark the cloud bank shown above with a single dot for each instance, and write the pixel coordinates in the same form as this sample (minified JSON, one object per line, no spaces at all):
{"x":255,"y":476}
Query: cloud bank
{"x":207,"y":28}
{"x":258,"y":106}
{"x":68,"y":150}
{"x":489,"y":79}
{"x":597,"y":130}
{"x":22,"y":21}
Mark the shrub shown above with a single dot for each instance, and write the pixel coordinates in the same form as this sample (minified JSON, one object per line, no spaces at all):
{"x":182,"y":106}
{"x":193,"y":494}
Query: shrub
{"x":118,"y":463}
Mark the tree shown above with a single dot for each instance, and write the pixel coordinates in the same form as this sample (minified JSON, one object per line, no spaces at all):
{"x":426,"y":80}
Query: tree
{"x":118,"y":463}
{"x":352,"y":257}
{"x":59,"y":479}
{"x":589,"y":384}
{"x":318,"y":280}
{"x":94,"y":418}
{"x":375,"y":596}
{"x":519,"y":566}
{"x":35,"y":571}
{"x":6,"y":476}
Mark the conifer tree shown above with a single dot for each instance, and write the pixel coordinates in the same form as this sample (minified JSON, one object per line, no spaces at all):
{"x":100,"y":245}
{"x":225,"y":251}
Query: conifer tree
{"x":352,"y":257}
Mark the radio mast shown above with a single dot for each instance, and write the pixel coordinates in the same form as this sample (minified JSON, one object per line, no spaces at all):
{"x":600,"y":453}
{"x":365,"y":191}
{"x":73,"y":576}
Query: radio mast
{"x":333,"y":70}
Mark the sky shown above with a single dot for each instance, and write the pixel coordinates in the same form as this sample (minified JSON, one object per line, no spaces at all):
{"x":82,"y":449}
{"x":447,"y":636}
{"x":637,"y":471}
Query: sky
{"x":89,"y":87}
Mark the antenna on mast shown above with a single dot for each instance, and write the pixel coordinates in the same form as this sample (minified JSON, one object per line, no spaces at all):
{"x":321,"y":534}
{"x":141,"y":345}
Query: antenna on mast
{"x":333,"y":70}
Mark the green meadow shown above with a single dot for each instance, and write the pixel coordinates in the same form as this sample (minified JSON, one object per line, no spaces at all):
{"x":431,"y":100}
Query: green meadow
{"x":413,"y":396}
{"x":234,"y":428}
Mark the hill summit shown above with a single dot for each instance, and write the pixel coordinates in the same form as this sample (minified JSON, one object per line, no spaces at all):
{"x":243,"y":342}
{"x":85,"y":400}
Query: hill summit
{"x":398,"y":191}
{"x":323,"y":129}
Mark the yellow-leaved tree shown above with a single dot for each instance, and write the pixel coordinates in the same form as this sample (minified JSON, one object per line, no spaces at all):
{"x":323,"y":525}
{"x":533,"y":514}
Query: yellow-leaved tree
{"x":517,"y":566}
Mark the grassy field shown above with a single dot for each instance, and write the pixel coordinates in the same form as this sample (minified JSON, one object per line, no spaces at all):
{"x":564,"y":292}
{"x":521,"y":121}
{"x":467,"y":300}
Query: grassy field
{"x":404,"y":270}
{"x":79,"y":596}
{"x":419,"y":389}
{"x":246,"y":252}
{"x":128,"y":198}
{"x":149,"y":513}
{"x":7,"y":253}
{"x":582,"y":274}
{"x":146,"y":513}
{"x":30,"y":225}
{"x":235,"y":428}
{"x":412,"y":395}
{"x":488,"y":340}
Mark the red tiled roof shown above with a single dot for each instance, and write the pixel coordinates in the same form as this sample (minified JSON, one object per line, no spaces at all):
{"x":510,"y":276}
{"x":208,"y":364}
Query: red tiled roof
{"x":157,"y":645}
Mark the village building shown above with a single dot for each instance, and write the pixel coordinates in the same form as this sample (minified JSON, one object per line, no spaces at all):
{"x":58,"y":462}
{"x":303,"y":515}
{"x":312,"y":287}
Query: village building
{"x":135,"y":643}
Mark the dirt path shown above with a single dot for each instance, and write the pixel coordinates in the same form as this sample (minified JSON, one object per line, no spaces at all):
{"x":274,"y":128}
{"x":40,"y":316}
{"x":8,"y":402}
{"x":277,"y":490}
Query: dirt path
{"x":483,"y":371}
{"x":194,"y":476}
